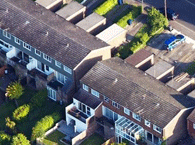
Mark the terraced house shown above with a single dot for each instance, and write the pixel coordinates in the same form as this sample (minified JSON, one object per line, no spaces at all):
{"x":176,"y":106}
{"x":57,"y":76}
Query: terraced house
{"x":45,"y":49}
{"x":127,"y":103}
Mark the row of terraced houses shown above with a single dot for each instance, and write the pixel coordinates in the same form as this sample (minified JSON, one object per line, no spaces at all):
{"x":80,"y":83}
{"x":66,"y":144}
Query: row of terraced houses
{"x":104,"y":93}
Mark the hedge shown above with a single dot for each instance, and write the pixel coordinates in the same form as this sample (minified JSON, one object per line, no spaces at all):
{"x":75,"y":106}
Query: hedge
{"x":4,"y":138}
{"x":136,"y":11}
{"x":20,"y":139}
{"x":38,"y":99}
{"x":106,"y":7}
{"x":21,"y":112}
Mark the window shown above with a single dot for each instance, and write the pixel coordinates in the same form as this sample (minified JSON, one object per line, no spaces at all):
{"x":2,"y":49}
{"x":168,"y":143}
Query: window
{"x":95,"y":93}
{"x":106,"y":99}
{"x":26,"y":46}
{"x":88,"y":111}
{"x":194,"y":125}
{"x":51,"y":93}
{"x":115,"y":104}
{"x":157,"y":129}
{"x":147,"y":123}
{"x":136,"y":116}
{"x":110,"y":114}
{"x":85,"y":109}
{"x":6,"y":34}
{"x":85,"y":87}
{"x":60,"y":77}
{"x":46,"y":57}
{"x":37,"y":52}
{"x":68,"y":70}
{"x":17,"y":40}
{"x":58,"y":64}
{"x":126,"y":111}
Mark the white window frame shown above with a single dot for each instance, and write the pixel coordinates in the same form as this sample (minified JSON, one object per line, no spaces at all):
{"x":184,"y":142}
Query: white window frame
{"x":58,"y":64}
{"x":6,"y":34}
{"x":194,"y":125}
{"x":116,"y":105}
{"x":46,"y":57}
{"x":127,"y":111}
{"x":67,"y":69}
{"x":85,"y":87}
{"x":137,"y":117}
{"x":106,"y":99}
{"x":17,"y":41}
{"x":147,"y":123}
{"x":53,"y":93}
{"x":157,"y":129}
{"x":26,"y":46}
{"x":95,"y":93}
{"x":37,"y":53}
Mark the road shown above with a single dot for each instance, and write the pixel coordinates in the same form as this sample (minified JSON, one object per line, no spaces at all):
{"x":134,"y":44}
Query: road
{"x":186,"y":10}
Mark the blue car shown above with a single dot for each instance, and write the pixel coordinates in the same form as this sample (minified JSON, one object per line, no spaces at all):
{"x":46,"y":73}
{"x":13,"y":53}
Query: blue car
{"x":170,"y":13}
{"x":174,"y":41}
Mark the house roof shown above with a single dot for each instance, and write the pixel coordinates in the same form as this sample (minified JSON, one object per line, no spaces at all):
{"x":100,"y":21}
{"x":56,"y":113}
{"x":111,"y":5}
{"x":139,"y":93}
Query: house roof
{"x":87,"y":99}
{"x":46,"y":3}
{"x":140,"y":93}
{"x":110,"y":33}
{"x":192,"y":94}
{"x":138,"y":57}
{"x":191,"y":117}
{"x":159,"y":68}
{"x":47,"y":32}
{"x":70,"y":9}
{"x":91,"y":20}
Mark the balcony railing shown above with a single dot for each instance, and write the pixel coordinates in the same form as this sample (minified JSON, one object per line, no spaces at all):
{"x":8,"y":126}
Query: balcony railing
{"x":77,"y":114}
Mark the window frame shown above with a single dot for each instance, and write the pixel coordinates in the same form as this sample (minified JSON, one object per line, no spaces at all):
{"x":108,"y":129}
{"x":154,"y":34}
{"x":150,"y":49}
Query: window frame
{"x":134,"y":115}
{"x":67,"y":69}
{"x":6,"y":34}
{"x":125,"y":111}
{"x":47,"y":57}
{"x":51,"y":93}
{"x":93,"y":92}
{"x":85,"y":87}
{"x":56,"y":63}
{"x":115,"y":104}
{"x":25,"y":46}
{"x":37,"y":53}
{"x":15,"y":40}
{"x":155,"y":128}
{"x":194,"y":125}
{"x":146,"y":121}
{"x":106,"y":99}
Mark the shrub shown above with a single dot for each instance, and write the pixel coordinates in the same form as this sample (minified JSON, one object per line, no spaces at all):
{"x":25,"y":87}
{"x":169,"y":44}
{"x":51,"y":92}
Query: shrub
{"x":21,"y":112}
{"x":56,"y":116}
{"x":106,"y":7}
{"x":144,"y":38}
{"x":4,"y":138}
{"x":39,"y":98}
{"x":42,"y":126}
{"x":20,"y":139}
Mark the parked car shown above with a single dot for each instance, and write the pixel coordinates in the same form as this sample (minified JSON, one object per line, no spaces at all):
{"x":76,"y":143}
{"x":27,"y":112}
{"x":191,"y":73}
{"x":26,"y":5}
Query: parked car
{"x":171,"y":15}
{"x":174,"y":41}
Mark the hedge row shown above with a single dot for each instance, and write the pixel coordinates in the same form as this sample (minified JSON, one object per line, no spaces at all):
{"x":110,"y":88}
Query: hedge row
{"x":106,"y":7}
{"x":136,"y":11}
{"x":21,"y":112}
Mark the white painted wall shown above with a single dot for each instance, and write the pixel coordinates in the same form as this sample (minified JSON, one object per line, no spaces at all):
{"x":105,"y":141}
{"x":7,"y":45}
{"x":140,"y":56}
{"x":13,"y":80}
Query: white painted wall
{"x":32,"y":64}
{"x":13,"y":52}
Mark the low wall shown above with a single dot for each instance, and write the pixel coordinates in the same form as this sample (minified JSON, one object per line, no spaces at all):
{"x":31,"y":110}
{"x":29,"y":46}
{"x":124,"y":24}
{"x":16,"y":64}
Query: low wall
{"x":109,"y":141}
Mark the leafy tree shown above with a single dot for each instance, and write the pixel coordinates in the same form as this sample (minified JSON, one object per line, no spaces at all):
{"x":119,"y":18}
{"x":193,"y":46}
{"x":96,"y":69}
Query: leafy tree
{"x":20,"y":139}
{"x":4,"y":138}
{"x":21,"y":112}
{"x":14,"y":91}
{"x":10,"y":125}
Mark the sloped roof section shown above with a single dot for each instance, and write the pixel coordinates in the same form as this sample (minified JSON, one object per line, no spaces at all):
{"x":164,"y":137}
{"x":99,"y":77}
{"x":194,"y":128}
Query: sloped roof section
{"x":47,"y":32}
{"x":141,"y":93}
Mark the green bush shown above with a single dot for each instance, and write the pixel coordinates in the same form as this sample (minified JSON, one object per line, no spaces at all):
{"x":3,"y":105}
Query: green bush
{"x":136,"y":11}
{"x":39,"y":98}
{"x":21,"y":112}
{"x":56,"y":116}
{"x":4,"y":138}
{"x":144,"y":38}
{"x":42,"y":126}
{"x":20,"y":139}
{"x":106,"y":7}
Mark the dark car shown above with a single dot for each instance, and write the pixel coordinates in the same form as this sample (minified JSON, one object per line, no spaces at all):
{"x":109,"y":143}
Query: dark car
{"x":170,"y":13}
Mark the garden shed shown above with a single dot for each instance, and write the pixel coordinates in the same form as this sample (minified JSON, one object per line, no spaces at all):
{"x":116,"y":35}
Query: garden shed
{"x":52,"y":5}
{"x":161,"y":70}
{"x":113,"y":35}
{"x":73,"y":12}
{"x":93,"y":23}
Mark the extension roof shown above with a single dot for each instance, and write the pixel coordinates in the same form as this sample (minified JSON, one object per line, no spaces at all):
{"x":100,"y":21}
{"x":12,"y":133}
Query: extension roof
{"x":140,"y":93}
{"x":47,"y":32}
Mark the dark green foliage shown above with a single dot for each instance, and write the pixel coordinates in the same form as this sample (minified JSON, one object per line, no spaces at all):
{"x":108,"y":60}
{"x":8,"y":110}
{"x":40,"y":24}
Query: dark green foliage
{"x":20,"y":139}
{"x":4,"y":138}
{"x":14,"y":90}
{"x":38,"y":100}
{"x":21,"y":112}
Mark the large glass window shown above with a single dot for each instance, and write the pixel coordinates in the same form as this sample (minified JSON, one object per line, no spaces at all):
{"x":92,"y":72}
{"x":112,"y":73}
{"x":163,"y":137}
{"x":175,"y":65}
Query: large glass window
{"x":51,"y":93}
{"x":61,"y":78}
{"x":110,"y":114}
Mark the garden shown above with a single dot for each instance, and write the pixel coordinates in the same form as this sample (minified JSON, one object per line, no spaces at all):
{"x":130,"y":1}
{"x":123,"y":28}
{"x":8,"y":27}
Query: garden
{"x":93,"y":139}
{"x":34,"y":115}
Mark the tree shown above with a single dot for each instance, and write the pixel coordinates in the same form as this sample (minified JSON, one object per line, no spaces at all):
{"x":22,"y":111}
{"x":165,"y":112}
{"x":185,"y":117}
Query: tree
{"x":10,"y":125}
{"x":4,"y":138}
{"x":20,"y":139}
{"x":14,"y":91}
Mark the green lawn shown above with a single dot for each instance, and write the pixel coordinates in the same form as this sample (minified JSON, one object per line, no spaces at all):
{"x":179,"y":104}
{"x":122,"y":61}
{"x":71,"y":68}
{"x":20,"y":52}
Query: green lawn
{"x":36,"y":113}
{"x":94,"y":139}
{"x":54,"y":138}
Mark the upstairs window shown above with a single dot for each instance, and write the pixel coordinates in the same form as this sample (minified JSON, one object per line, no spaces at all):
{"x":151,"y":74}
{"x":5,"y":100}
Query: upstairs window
{"x":85,"y":87}
{"x":95,"y":93}
{"x":126,"y":111}
{"x":68,"y":70}
{"x":37,"y":52}
{"x":46,"y":57}
{"x":58,"y":64}
{"x":194,"y":125}
{"x":6,"y":34}
{"x":136,"y":117}
{"x":25,"y":45}
{"x":17,"y":41}
{"x":147,"y":123}
{"x":106,"y":99}
{"x":116,"y":105}
{"x":157,"y":129}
